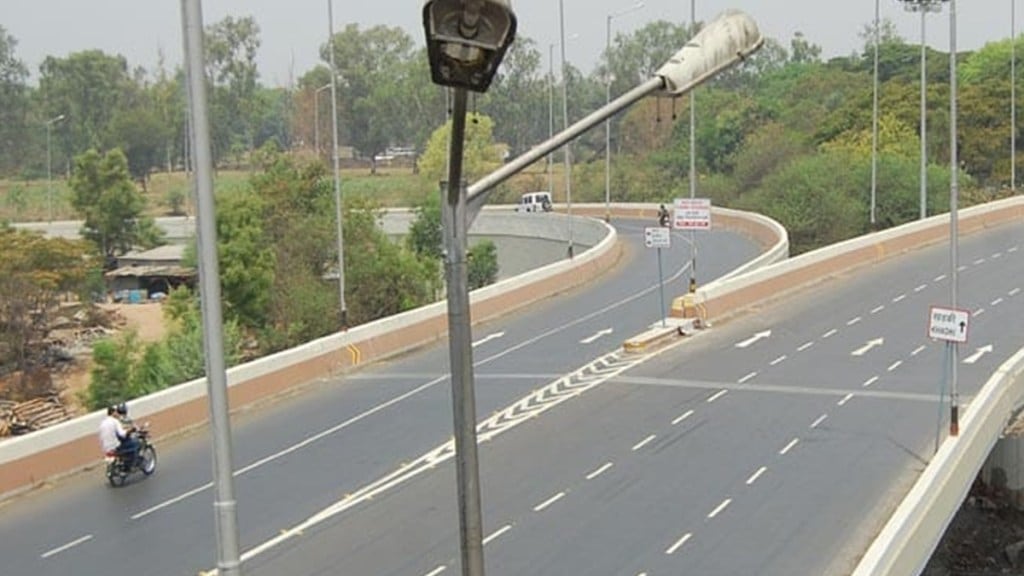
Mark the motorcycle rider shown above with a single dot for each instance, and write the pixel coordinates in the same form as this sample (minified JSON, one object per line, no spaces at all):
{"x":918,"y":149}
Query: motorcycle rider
{"x":663,"y":215}
{"x":115,"y":439}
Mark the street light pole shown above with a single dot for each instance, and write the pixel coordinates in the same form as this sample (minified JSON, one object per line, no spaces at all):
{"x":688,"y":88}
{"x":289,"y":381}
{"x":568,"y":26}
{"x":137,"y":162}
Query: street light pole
{"x":954,"y":216}
{"x":608,"y":98}
{"x":316,"y":117}
{"x":874,"y":121}
{"x":337,"y":171}
{"x":1013,"y":95}
{"x":693,"y":159}
{"x":551,"y":111}
{"x":567,"y":153}
{"x":49,"y":168}
{"x":225,"y":506}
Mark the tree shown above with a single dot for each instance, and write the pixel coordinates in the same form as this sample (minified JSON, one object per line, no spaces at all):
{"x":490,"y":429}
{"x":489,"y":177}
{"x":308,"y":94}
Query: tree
{"x":143,"y":136}
{"x":231,"y":46}
{"x":14,"y":105}
{"x":425,"y":236}
{"x":103,"y":194}
{"x":480,"y":155}
{"x":483,"y":264}
{"x":517,"y":95}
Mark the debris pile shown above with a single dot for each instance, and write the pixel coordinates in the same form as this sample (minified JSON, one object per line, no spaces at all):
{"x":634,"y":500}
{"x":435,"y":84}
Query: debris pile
{"x":23,"y":417}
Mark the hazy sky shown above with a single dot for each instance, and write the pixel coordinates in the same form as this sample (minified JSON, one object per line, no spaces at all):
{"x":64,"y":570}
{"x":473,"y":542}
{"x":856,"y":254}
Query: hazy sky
{"x":292,"y":30}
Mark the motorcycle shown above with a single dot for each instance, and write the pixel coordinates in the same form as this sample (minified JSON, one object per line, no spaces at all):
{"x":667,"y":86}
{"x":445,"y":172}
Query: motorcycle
{"x":119,"y":467}
{"x":663,"y":219}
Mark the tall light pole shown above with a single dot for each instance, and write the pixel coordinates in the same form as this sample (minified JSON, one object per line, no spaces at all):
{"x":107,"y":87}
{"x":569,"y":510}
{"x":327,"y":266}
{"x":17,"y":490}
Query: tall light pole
{"x":225,"y":507}
{"x":954,"y":216}
{"x":551,"y":111}
{"x":608,"y":98}
{"x":337,"y":172}
{"x":1013,"y":95}
{"x":316,"y":116}
{"x":874,"y":120}
{"x":693,"y":159}
{"x":924,"y":7}
{"x":567,"y":152}
{"x":49,"y":168}
{"x":466,"y":41}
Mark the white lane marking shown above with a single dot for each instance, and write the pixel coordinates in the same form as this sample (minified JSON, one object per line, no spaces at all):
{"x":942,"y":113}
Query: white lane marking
{"x":996,"y":302}
{"x":818,"y":422}
{"x":961,"y":268}
{"x":878,"y":309}
{"x":898,"y":298}
{"x":789,"y":446}
{"x":436,"y":571}
{"x":682,"y":417}
{"x":870,"y":381}
{"x":979,"y":312}
{"x":672,"y":549}
{"x":497,"y":533}
{"x":805,"y":346}
{"x":644,"y":442}
{"x":868,"y":346}
{"x":979,"y":261}
{"x":488,"y":338}
{"x":918,"y":350}
{"x":540,"y":507}
{"x":853,"y":321}
{"x":597,"y":335}
{"x":939,"y":278}
{"x":754,"y":338}
{"x":778,"y":360}
{"x":895,"y":365}
{"x":829,"y":334}
{"x":725,"y":503}
{"x":1012,"y":249}
{"x":920,"y":288}
{"x":753,"y":477}
{"x":845,"y":399}
{"x":997,"y":255}
{"x":978,"y":354}
{"x":67,"y":546}
{"x":718,"y":395}
{"x":1013,"y":292}
{"x":747,"y":377}
{"x":599,"y":471}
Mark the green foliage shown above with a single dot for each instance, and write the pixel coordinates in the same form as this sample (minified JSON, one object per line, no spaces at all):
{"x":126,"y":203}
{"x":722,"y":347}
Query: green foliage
{"x":14,"y":106}
{"x":483,"y":264}
{"x":425,"y":236}
{"x":480,"y":156}
{"x":111,"y":376}
{"x":109,"y":203}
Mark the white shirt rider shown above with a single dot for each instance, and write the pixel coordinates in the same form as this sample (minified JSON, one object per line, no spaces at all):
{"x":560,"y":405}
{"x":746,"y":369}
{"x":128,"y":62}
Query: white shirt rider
{"x":111,"y":432}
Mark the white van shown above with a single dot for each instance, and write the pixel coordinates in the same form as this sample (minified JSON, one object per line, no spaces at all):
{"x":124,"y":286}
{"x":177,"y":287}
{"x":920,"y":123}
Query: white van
{"x":534,"y":202}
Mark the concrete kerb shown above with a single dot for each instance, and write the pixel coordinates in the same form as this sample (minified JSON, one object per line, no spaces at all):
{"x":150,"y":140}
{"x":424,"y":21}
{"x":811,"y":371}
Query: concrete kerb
{"x":909,"y":538}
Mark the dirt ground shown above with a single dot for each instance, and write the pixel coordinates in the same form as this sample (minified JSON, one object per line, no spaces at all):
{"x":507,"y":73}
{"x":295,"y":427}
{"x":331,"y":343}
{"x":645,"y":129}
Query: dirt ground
{"x":986,"y":538}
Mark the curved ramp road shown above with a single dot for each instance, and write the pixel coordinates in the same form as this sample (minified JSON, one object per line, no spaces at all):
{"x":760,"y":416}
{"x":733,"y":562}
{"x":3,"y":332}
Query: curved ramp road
{"x":312,"y":461}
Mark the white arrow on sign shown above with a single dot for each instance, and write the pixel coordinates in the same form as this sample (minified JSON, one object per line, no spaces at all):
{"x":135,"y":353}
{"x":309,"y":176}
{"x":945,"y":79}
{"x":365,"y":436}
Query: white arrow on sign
{"x":868,"y":346}
{"x":977,"y":355}
{"x":754,"y":338}
{"x":488,"y":338}
{"x":599,"y":334}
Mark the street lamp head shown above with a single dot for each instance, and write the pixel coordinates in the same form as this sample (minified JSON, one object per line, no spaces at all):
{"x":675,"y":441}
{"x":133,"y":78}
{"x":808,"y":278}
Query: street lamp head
{"x":729,"y":39}
{"x":922,"y":5}
{"x":466,"y":40}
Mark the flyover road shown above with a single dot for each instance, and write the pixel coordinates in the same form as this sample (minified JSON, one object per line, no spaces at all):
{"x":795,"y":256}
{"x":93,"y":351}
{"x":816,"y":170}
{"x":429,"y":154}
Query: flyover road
{"x":774,"y":444}
{"x":299,"y":456}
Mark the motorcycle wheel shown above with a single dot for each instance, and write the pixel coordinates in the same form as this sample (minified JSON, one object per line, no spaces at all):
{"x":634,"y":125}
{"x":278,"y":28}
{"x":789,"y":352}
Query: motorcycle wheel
{"x":148,"y":457}
{"x":116,"y":475}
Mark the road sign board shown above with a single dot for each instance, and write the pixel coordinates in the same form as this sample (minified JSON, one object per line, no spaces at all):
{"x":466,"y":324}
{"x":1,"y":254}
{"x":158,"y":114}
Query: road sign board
{"x":657,"y":237}
{"x":692,"y":214}
{"x":949,"y":324}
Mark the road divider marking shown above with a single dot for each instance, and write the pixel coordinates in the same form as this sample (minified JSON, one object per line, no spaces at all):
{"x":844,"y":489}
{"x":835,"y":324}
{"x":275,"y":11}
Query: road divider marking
{"x":1013,"y":292}
{"x":878,"y":309}
{"x":67,"y":546}
{"x":599,"y":471}
{"x":870,"y":381}
{"x":818,"y":422}
{"x":718,"y":395}
{"x":939,"y":278}
{"x":598,"y":334}
{"x":497,"y":533}
{"x":895,"y":365}
{"x":898,"y":298}
{"x":778,"y":360}
{"x":753,"y":477}
{"x":805,"y":346}
{"x":436,"y":571}
{"x":540,"y":507}
{"x":725,"y":504}
{"x":918,"y":350}
{"x":845,"y":399}
{"x":996,"y":302}
{"x":853,"y":321}
{"x":672,"y":549}
{"x":488,"y":338}
{"x":682,"y":417}
{"x":644,"y":442}
{"x":789,"y":446}
{"x":921,"y":288}
{"x":747,"y":377}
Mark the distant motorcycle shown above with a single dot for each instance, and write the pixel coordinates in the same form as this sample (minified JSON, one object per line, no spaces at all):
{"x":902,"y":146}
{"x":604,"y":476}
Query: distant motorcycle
{"x":663,"y":218}
{"x":119,"y":466}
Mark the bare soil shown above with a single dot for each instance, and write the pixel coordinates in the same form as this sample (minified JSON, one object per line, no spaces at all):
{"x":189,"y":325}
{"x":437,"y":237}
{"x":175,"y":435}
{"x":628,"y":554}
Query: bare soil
{"x":986,"y":538}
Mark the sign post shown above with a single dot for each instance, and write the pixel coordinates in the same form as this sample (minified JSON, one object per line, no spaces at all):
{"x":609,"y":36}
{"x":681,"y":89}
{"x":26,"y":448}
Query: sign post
{"x":692,"y":214}
{"x":659,"y":237}
{"x":949,"y":325}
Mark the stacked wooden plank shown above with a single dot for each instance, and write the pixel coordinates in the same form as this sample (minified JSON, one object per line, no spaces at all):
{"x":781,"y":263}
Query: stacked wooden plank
{"x":34,"y":414}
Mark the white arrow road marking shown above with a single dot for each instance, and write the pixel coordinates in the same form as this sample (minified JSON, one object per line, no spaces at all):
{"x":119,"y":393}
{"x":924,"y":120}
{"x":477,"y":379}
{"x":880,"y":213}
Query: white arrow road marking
{"x":977,"y":355}
{"x":754,"y":338}
{"x":868,"y":346}
{"x":488,"y":338}
{"x":599,"y":334}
